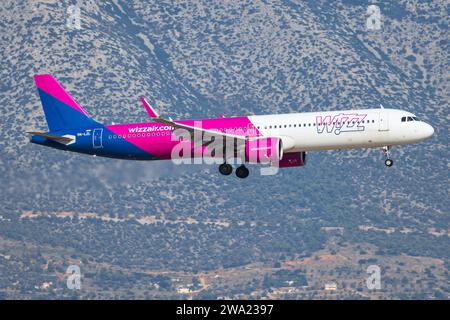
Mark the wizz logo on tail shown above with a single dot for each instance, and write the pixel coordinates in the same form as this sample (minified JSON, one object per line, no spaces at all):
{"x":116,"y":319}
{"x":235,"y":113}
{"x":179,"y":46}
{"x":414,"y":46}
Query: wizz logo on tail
{"x":342,"y":122}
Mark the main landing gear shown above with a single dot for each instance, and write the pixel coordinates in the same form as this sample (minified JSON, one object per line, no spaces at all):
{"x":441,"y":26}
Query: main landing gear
{"x":225,"y":169}
{"x":241,"y":171}
{"x":388,"y":162}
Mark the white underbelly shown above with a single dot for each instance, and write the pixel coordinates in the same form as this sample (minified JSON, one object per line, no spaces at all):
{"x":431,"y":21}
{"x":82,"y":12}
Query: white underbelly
{"x":344,"y":140}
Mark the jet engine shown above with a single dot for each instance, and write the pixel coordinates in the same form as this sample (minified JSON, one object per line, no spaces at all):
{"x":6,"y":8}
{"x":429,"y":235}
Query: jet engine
{"x":264,"y":150}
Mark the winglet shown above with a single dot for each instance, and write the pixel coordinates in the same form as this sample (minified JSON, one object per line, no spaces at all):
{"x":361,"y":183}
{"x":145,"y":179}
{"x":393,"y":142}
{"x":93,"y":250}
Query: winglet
{"x":152,"y":113}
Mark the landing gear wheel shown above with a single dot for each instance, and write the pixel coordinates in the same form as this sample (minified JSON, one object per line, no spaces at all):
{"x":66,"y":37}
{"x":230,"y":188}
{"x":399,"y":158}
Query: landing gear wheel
{"x":242,"y":172}
{"x":225,"y":169}
{"x":389,"y":162}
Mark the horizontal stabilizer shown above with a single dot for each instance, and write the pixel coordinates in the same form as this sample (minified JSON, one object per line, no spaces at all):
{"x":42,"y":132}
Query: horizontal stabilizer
{"x":53,"y":137}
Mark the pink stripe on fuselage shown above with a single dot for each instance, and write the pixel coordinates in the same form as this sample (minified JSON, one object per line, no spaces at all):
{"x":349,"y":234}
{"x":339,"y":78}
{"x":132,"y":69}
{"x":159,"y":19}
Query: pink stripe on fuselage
{"x":47,"y":83}
{"x":162,"y":145}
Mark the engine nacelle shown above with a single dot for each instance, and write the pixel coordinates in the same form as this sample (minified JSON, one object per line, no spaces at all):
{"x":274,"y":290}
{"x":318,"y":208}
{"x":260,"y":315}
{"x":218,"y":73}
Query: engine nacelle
{"x":294,"y":159}
{"x":264,"y":150}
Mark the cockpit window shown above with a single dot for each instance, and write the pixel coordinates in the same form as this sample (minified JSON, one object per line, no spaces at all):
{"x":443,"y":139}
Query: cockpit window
{"x":407,"y":119}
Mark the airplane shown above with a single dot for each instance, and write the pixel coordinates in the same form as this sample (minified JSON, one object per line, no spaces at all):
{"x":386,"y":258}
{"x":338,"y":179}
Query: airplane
{"x":281,"y":140}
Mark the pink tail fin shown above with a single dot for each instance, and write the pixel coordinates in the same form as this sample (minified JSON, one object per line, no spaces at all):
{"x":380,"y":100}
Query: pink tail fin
{"x":48,"y":84}
{"x":61,"y":110}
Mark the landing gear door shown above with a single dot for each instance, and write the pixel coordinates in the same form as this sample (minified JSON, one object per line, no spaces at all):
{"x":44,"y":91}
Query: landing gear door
{"x":97,"y":138}
{"x":383,"y":120}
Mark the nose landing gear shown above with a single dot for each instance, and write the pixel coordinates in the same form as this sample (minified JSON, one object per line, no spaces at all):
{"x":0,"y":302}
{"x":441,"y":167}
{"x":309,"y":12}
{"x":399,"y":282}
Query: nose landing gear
{"x":388,"y":162}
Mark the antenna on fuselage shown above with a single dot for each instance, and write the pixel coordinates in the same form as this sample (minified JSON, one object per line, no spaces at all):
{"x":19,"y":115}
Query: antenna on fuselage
{"x":381,"y":106}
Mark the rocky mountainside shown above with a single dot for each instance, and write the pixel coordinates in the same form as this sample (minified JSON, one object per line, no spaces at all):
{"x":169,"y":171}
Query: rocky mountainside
{"x":203,"y":59}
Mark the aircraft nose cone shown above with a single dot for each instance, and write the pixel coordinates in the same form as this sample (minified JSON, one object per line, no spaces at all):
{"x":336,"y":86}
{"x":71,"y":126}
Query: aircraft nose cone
{"x":428,"y":131}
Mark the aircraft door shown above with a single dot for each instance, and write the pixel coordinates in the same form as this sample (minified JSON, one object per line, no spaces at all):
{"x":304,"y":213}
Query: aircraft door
{"x":383,"y":120}
{"x":97,"y":140}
